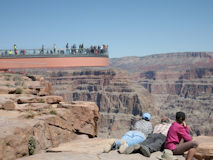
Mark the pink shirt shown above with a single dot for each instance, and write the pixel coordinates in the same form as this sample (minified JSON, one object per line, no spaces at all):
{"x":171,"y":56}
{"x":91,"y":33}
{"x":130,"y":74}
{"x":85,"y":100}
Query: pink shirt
{"x":175,"y":134}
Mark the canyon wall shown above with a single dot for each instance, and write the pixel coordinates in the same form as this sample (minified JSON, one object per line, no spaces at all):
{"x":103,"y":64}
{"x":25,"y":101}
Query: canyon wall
{"x":178,"y":82}
{"x":121,"y":101}
{"x":32,"y":119}
{"x":161,"y":84}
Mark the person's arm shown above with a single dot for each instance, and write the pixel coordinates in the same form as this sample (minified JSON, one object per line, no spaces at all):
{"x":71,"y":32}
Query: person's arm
{"x":184,"y":132}
{"x":186,"y":127}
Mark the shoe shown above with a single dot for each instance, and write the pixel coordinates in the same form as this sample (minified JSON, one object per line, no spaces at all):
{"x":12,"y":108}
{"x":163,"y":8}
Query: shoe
{"x":144,"y":150}
{"x":123,"y":146}
{"x":109,"y":146}
{"x":131,"y":149}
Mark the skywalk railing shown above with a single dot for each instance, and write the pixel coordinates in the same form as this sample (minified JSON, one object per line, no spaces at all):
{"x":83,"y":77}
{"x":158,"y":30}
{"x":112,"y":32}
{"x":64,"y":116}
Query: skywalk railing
{"x":58,"y":52}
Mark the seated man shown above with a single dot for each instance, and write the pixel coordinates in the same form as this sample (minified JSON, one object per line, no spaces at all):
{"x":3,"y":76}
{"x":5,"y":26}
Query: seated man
{"x":154,"y":142}
{"x":141,"y":130}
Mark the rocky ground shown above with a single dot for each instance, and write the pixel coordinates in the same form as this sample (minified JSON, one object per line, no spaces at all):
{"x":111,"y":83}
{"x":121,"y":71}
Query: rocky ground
{"x":87,"y":149}
{"x":32,"y":119}
{"x":35,"y":122}
{"x":83,"y":148}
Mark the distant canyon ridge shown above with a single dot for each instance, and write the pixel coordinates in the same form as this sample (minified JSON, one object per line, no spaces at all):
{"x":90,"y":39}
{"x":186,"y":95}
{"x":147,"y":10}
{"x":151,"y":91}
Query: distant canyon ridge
{"x":161,"y":84}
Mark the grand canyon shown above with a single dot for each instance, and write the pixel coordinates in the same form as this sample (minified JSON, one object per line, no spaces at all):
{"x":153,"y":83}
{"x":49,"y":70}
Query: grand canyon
{"x":160,"y":84}
{"x":55,"y":106}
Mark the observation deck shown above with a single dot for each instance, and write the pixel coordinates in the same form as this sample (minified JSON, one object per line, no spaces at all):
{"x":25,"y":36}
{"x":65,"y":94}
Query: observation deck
{"x":53,"y":58}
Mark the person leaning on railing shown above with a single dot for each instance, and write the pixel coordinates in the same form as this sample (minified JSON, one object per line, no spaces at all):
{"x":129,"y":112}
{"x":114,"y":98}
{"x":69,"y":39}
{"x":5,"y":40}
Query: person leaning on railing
{"x":42,"y":49}
{"x":15,"y":50}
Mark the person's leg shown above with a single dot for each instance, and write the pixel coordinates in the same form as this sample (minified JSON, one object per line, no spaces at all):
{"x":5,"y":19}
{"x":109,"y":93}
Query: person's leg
{"x":118,"y":143}
{"x":110,"y":145}
{"x":156,"y":142}
{"x":136,"y":138}
{"x":190,"y":154}
{"x":133,"y":149}
{"x":125,"y":139}
{"x":153,"y":143}
{"x":145,"y":146}
{"x":131,"y":138}
{"x":136,"y":148}
{"x":181,"y":148}
{"x":148,"y":139}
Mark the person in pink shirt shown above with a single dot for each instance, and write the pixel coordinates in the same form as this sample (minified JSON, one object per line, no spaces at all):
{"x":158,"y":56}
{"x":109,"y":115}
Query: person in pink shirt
{"x":178,"y":138}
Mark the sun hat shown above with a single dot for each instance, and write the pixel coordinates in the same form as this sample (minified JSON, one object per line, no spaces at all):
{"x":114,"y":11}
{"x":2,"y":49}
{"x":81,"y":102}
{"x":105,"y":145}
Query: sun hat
{"x":167,"y":155}
{"x":146,"y":116}
{"x":165,"y":120}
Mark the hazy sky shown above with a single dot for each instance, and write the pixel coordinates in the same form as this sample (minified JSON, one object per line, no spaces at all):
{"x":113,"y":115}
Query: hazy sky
{"x":129,"y":27}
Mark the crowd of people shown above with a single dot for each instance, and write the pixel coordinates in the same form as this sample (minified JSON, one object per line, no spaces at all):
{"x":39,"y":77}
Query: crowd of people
{"x":171,"y":138}
{"x":93,"y":49}
{"x":80,"y":50}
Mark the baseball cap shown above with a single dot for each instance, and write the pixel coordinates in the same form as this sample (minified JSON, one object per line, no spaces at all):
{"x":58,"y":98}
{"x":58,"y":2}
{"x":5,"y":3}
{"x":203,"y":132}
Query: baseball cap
{"x":146,"y":116}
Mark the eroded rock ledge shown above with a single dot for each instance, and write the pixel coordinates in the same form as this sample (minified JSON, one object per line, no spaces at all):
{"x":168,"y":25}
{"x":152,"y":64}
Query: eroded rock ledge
{"x":28,"y":110}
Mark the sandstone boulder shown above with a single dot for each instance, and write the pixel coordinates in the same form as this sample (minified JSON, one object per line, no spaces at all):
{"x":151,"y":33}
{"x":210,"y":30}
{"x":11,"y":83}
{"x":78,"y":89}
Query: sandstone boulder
{"x":42,"y":92}
{"x":47,"y":90}
{"x":4,"y":90}
{"x":205,"y":147}
{"x":84,"y":117}
{"x":29,"y":99}
{"x":32,"y":107}
{"x":8,"y":105}
{"x":33,"y":84}
{"x":48,"y":130}
{"x":52,"y":99}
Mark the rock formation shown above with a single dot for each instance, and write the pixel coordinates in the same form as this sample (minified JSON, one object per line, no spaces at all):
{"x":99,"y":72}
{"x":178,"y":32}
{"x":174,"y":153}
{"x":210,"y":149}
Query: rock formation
{"x":83,"y":148}
{"x":173,"y":82}
{"x":121,"y":102}
{"x":31,"y":121}
{"x":179,"y":81}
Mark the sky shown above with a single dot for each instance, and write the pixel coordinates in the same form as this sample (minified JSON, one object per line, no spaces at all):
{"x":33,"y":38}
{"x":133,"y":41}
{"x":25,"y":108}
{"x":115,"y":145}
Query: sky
{"x":128,"y":27}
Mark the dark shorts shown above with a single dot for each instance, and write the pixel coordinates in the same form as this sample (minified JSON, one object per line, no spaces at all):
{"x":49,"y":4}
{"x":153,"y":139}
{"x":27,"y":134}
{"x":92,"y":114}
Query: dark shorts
{"x":183,"y":147}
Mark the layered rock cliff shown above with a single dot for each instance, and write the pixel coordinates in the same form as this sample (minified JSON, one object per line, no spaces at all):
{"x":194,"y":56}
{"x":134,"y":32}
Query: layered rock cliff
{"x":32,"y":119}
{"x":121,"y":101}
{"x":172,"y":82}
{"x":178,"y":82}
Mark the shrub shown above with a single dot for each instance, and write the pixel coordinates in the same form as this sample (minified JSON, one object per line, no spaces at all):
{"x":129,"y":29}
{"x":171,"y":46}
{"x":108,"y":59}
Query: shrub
{"x":7,"y":77}
{"x":53,"y":112}
{"x":33,"y":78}
{"x":29,"y":114}
{"x":31,"y":145}
{"x":8,"y":85}
{"x":17,"y":78}
{"x":18,"y":91}
{"x":42,"y":101}
{"x":19,"y":83}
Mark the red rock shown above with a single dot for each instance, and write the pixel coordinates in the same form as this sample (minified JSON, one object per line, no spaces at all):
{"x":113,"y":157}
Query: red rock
{"x":205,"y":147}
{"x":8,"y":105}
{"x":31,"y":99}
{"x":52,"y":99}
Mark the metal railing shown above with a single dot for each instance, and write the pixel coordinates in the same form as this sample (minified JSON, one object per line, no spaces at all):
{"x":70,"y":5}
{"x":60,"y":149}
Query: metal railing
{"x":59,"y":52}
